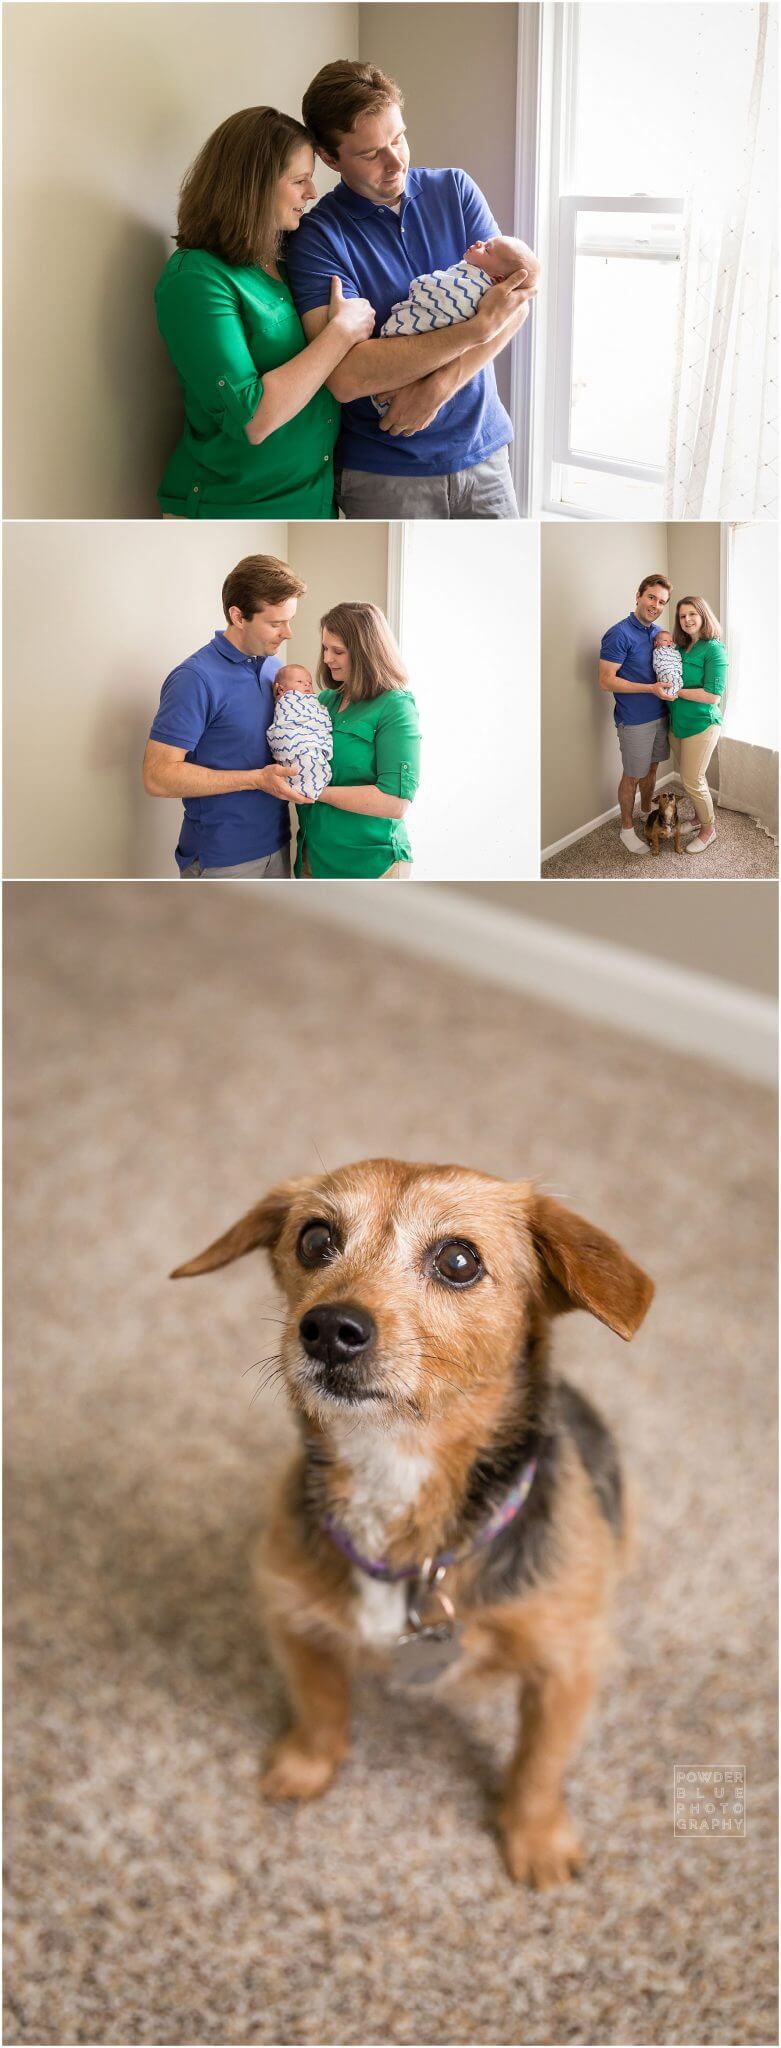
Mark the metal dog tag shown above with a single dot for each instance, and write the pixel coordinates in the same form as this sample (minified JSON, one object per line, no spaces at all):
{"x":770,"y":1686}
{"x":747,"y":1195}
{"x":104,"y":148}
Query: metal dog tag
{"x":427,"y":1648}
{"x":421,"y":1657}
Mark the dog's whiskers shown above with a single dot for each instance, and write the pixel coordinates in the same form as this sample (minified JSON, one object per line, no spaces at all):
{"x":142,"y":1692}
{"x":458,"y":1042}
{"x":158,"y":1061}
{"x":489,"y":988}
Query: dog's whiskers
{"x":263,"y":1388}
{"x":258,"y":1362}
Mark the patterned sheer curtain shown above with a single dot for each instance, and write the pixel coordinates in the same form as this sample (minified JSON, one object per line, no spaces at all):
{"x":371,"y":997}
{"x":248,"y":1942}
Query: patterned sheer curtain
{"x":723,"y":452}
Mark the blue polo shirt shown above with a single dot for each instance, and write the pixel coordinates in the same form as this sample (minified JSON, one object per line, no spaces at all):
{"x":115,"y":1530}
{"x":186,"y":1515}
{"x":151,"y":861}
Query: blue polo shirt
{"x":218,"y":705}
{"x":631,"y":644}
{"x":376,"y":253}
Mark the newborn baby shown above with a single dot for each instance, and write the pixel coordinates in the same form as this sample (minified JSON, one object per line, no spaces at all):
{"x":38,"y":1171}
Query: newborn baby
{"x":443,"y":297}
{"x":300,"y":734}
{"x":668,"y":664}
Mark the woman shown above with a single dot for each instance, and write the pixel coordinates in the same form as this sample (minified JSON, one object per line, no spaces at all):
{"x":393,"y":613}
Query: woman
{"x":696,"y":713}
{"x":260,"y":426}
{"x":357,"y":826}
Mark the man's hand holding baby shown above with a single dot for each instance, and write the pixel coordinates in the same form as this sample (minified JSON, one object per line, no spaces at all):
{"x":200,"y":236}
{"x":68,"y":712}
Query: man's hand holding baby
{"x":276,"y":781}
{"x":505,"y":305}
{"x":416,"y":405}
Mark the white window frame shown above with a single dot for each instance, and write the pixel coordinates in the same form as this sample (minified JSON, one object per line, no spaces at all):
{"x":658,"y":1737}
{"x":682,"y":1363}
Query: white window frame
{"x":524,"y":358}
{"x":551,"y":366}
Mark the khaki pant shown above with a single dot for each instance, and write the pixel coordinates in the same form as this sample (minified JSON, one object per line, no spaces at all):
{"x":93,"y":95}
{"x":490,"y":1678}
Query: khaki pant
{"x":400,"y":871}
{"x":691,"y":757}
{"x":484,"y":492}
{"x":274,"y":867}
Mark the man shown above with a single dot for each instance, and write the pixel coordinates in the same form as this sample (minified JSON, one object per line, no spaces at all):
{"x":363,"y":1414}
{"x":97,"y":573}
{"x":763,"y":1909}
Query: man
{"x":640,"y":715}
{"x":208,"y":742}
{"x":441,"y":449}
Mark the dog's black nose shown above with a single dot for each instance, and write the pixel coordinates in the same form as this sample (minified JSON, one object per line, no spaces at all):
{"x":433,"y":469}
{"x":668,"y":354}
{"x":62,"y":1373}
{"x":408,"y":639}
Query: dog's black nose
{"x":336,"y":1332}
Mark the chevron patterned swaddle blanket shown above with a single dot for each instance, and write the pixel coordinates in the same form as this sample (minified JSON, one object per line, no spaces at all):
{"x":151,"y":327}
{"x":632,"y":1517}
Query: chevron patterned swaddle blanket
{"x":439,"y":299}
{"x":668,"y":668}
{"x":301,"y":736}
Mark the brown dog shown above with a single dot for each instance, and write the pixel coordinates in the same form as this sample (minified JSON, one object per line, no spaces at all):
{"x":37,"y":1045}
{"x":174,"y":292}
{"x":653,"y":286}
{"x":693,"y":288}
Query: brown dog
{"x":452,"y":1500}
{"x":663,"y":821}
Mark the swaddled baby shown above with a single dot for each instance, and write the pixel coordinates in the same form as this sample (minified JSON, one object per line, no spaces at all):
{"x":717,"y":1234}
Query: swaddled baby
{"x":668,"y":664}
{"x":440,"y":298}
{"x":301,"y":734}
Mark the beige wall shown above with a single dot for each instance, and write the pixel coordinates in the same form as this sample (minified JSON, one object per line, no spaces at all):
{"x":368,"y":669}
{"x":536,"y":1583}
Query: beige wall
{"x":106,"y":106}
{"x":694,"y":560}
{"x":336,"y":562}
{"x":456,"y":65}
{"x":729,"y":929}
{"x":130,"y":600}
{"x":590,"y":574}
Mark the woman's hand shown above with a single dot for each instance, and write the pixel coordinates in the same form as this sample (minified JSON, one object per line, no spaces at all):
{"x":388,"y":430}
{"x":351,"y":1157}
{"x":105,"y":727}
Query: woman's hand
{"x":498,"y":305}
{"x":354,"y":318}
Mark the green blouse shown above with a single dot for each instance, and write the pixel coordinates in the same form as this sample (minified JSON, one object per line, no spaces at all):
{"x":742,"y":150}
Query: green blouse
{"x":223,"y":329}
{"x":376,"y":745}
{"x":704,"y":668}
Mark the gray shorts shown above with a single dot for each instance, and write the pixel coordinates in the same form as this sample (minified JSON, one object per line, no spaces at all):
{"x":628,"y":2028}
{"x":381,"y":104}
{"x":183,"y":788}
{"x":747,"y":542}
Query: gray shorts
{"x":485,"y":492}
{"x":642,"y":745}
{"x":274,"y":867}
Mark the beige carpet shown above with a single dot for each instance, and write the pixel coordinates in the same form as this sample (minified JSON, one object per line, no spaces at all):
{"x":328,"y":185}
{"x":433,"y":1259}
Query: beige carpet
{"x":740,"y":853}
{"x":171,"y":1052}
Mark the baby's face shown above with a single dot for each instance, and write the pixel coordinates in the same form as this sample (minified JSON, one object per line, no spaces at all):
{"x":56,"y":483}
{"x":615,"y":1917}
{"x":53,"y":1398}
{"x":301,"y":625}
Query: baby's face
{"x":293,"y":677}
{"x":496,"y":257}
{"x":663,"y":640}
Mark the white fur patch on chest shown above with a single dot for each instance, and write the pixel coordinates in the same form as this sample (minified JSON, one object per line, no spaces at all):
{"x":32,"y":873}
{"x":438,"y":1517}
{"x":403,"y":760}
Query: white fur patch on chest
{"x":386,"y":1479}
{"x":380,"y":1610}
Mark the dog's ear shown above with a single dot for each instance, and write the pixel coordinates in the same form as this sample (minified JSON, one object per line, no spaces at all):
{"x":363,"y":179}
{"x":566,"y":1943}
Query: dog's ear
{"x":261,"y":1226}
{"x":584,"y":1268}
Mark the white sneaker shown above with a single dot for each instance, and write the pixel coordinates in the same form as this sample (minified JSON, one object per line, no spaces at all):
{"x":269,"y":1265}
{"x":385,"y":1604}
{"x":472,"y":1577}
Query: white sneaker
{"x":629,"y":839}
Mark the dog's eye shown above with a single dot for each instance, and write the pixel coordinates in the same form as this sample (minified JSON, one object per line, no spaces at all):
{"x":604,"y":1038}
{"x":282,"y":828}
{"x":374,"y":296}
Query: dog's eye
{"x":316,"y":1244}
{"x":457,"y":1263}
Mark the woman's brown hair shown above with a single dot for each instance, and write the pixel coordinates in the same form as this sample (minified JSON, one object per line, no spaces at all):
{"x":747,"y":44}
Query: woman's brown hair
{"x":227,"y":203}
{"x":375,"y":661}
{"x":710,"y":630}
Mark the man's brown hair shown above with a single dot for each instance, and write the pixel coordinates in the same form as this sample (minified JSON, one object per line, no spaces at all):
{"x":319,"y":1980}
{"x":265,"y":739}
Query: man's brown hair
{"x":649,"y":580}
{"x":710,"y":628}
{"x":257,"y":581}
{"x":227,"y":203}
{"x":338,"y":96}
{"x":375,"y":661}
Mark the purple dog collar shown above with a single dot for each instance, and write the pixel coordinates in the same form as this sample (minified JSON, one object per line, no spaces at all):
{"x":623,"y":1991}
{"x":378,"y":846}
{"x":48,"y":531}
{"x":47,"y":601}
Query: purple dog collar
{"x":376,"y":1568}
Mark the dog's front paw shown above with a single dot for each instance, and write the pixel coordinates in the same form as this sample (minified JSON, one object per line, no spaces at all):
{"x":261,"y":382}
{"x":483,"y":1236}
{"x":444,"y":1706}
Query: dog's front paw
{"x":541,"y":1853}
{"x":294,"y":1773}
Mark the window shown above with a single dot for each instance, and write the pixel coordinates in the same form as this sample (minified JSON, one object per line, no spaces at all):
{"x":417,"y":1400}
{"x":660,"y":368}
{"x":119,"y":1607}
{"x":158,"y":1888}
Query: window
{"x":750,"y":580}
{"x":464,"y":599}
{"x":640,"y":104}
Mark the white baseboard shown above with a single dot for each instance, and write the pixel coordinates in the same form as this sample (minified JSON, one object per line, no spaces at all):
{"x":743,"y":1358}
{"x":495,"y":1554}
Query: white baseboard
{"x":571,"y":838}
{"x":649,"y":998}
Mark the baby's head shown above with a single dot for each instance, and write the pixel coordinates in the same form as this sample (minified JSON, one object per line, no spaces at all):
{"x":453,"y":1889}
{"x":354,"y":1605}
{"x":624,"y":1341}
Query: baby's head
{"x":664,"y":640}
{"x":496,"y":257}
{"x":292,"y":676}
